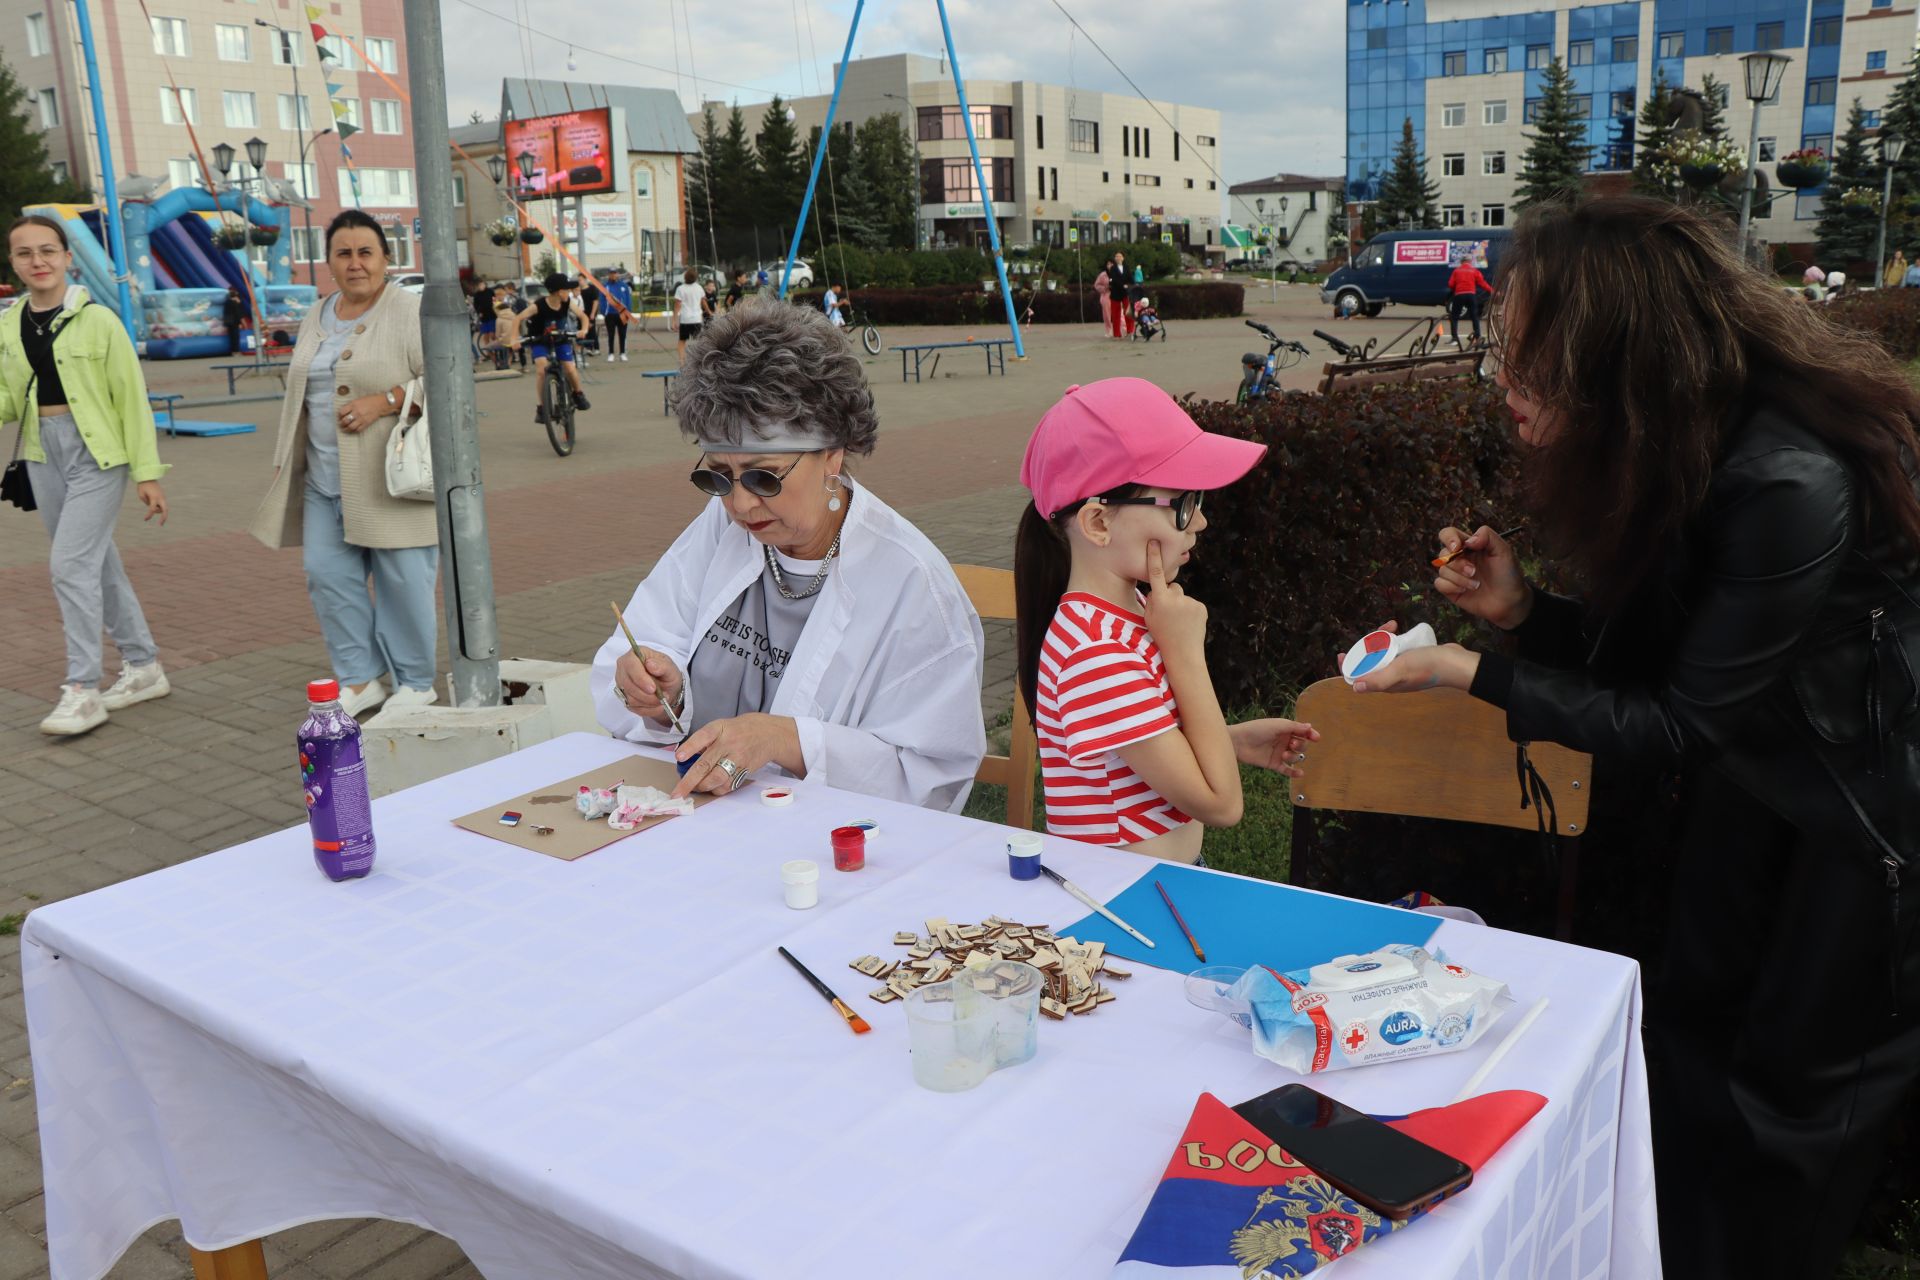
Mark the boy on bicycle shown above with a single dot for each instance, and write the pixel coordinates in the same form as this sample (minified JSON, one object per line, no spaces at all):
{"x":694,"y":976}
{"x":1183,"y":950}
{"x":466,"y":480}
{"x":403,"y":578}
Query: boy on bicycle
{"x":555,"y":320}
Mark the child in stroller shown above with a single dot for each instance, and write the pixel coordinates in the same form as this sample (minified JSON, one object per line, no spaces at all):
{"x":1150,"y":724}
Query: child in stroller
{"x":1146,"y":321}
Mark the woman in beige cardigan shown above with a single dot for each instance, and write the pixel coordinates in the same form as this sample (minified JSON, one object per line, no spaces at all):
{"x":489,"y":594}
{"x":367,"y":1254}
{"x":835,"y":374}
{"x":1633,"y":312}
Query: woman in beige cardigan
{"x":355,"y":354}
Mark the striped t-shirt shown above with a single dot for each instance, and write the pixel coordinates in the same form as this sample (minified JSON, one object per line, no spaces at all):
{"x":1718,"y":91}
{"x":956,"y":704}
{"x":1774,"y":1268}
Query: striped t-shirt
{"x":1102,"y":687}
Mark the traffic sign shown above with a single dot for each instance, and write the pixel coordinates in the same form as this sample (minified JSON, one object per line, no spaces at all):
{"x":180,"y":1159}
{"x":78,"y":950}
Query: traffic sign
{"x":1106,"y":217}
{"x":1166,"y":237}
{"x":416,"y":228}
{"x":1073,"y":235}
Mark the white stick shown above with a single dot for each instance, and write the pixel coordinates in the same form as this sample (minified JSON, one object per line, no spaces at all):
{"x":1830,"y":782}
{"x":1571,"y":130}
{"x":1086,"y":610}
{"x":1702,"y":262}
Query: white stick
{"x":1493,"y":1059}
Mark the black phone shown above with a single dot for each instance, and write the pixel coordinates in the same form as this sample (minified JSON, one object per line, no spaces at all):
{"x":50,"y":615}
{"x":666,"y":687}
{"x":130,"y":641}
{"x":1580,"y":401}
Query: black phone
{"x":1374,"y":1163}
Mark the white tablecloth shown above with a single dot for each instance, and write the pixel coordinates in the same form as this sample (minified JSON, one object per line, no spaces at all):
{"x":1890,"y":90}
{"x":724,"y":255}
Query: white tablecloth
{"x":602,"y":1068}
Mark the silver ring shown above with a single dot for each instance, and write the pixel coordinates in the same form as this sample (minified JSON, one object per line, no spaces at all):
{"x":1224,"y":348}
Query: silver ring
{"x":733,"y":771}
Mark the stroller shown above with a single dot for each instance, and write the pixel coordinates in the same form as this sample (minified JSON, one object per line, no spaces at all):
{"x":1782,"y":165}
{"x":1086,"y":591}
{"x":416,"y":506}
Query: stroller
{"x":1147,"y":324}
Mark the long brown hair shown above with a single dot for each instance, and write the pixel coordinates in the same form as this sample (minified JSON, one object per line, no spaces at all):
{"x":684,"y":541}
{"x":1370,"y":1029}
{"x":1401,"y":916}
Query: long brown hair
{"x":1635,"y":323}
{"x":1042,"y":563}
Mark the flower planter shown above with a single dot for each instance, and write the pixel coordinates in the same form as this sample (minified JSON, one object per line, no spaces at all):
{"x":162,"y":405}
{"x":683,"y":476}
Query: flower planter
{"x":1701,"y":175}
{"x":264,"y":235}
{"x":502,"y":241}
{"x":1801,"y":177}
{"x":532,"y":235}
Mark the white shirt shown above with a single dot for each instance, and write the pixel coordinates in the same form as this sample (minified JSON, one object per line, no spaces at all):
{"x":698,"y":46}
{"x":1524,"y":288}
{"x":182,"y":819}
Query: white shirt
{"x":689,"y":296}
{"x":884,"y":684}
{"x":832,"y":303}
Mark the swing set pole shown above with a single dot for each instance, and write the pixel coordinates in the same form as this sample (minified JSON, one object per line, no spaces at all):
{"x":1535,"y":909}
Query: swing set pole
{"x":820,"y":153}
{"x":980,"y":176}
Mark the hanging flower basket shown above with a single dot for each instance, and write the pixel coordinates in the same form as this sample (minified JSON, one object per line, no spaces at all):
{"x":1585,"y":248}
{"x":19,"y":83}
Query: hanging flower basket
{"x":502,"y":238}
{"x":532,"y":235}
{"x":264,"y":235}
{"x":1861,"y":198}
{"x":1701,"y":175}
{"x":1803,"y":170}
{"x":231,"y":237}
{"x":1705,"y":162}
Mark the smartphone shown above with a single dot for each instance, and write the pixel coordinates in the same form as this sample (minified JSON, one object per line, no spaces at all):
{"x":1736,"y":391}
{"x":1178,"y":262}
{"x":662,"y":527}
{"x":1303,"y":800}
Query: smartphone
{"x":1377,"y":1165}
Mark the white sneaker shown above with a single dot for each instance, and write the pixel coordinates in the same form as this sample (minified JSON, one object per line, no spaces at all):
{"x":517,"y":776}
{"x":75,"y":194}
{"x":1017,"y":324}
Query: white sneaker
{"x":79,"y":710}
{"x":136,"y":684}
{"x":609,"y":357}
{"x":623,"y":357}
{"x":404,"y":697}
{"x":366,"y":700}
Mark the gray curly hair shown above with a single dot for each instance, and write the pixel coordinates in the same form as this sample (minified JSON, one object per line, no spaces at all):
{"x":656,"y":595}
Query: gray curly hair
{"x":770,"y":362}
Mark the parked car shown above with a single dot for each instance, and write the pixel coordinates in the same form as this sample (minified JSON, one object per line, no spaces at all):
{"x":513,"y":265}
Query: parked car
{"x":411,"y":281}
{"x":1410,"y":268}
{"x":666,"y":282}
{"x":802,"y":274}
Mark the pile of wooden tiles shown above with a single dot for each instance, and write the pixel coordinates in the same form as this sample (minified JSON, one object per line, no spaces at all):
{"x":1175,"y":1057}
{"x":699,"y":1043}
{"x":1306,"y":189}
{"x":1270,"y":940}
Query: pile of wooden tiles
{"x":1073,"y":970}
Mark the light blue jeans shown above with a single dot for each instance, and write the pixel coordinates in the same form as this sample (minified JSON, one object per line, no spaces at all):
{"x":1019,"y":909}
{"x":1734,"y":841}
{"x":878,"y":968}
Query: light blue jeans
{"x":390,"y":628}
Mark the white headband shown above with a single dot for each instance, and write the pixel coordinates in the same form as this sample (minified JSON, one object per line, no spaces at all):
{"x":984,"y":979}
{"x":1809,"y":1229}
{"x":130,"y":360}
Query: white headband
{"x":781,"y":437}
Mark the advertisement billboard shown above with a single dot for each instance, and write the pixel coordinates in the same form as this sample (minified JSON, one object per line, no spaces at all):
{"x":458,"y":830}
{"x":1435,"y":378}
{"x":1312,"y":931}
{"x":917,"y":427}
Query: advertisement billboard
{"x":571,"y":154}
{"x":1419,"y":253}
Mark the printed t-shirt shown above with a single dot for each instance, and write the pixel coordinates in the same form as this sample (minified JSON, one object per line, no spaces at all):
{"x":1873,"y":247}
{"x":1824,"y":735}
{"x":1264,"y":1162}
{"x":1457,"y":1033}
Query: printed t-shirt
{"x":738,"y":665}
{"x":1102,"y":687}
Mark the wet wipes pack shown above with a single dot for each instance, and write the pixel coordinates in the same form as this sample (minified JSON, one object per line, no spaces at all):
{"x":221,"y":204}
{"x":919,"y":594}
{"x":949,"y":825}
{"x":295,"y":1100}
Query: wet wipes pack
{"x":1387,"y":1005}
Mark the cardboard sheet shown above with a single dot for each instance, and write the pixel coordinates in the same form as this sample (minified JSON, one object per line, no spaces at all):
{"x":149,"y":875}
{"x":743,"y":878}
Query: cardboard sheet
{"x":574,"y":836}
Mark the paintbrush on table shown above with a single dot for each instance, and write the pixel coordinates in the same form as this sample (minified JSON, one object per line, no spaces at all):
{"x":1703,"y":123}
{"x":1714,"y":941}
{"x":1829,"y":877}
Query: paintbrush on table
{"x":1093,"y":902}
{"x":666,"y":706}
{"x":854,"y":1020}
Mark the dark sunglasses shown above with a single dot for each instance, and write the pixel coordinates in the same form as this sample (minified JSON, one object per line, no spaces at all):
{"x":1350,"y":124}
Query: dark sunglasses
{"x":758,"y":481}
{"x":1185,"y":505}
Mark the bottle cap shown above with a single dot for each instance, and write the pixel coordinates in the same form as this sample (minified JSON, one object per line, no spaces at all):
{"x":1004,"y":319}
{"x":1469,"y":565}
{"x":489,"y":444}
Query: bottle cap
{"x":777,"y":797}
{"x":323,"y":691}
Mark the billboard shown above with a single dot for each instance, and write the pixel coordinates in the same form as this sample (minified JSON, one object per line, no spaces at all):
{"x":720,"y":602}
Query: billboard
{"x":571,"y":154}
{"x":1420,"y":253}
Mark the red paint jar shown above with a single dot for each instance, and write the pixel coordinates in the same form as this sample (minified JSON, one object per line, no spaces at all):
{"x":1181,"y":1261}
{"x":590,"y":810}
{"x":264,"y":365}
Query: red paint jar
{"x":849,"y":848}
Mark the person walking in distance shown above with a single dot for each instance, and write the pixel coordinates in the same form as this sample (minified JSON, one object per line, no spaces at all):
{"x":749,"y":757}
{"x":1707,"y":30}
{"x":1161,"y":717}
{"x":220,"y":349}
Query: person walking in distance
{"x":737,"y":290}
{"x":233,"y":315}
{"x":690,"y":301}
{"x":1103,"y":294}
{"x":620,"y":289}
{"x":1464,"y":288}
{"x":70,"y":376}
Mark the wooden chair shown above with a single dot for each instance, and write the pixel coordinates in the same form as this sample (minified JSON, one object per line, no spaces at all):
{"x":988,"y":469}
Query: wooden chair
{"x":1438,"y":754}
{"x":991,"y":591}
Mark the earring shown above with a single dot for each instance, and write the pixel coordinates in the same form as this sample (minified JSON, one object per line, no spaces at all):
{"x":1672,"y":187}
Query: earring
{"x":833,"y":492}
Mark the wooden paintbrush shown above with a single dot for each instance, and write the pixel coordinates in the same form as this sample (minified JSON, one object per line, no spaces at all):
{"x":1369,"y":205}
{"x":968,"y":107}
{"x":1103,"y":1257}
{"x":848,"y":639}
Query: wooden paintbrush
{"x":854,"y":1020}
{"x":1446,"y":558}
{"x":666,"y":706}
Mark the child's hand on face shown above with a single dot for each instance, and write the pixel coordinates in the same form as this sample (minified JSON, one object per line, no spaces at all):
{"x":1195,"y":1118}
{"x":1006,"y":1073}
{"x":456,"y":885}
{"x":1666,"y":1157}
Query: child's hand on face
{"x":1178,"y":621}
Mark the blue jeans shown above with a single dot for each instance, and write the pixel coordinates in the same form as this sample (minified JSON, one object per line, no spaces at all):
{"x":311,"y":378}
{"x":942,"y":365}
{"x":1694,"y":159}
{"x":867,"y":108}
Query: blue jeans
{"x":393,"y":627}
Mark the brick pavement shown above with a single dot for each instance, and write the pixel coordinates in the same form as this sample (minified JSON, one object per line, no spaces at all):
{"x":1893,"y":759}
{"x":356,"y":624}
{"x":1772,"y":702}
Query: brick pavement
{"x":206,"y":768}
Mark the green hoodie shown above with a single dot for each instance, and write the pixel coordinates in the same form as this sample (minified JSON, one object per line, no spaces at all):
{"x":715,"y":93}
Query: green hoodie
{"x":106,"y":391}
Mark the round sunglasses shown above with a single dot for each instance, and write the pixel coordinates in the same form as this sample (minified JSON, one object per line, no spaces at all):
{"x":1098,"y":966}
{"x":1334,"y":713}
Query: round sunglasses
{"x":758,"y":481}
{"x":1185,"y":505}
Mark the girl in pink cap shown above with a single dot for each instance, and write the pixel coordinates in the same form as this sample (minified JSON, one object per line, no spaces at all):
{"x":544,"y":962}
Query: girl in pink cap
{"x":1134,"y":749}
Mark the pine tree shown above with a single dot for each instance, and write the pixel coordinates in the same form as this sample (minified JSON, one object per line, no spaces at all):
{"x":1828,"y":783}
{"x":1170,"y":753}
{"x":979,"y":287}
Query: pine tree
{"x":1651,"y":167}
{"x":846,"y":203}
{"x":883,"y":153}
{"x":701,"y":213}
{"x":1407,"y":198}
{"x":1902,"y":117}
{"x":1555,"y":164}
{"x":781,"y":180}
{"x":25,"y":176}
{"x":1846,"y":233}
{"x":735,"y":175}
{"x":1713,"y":113}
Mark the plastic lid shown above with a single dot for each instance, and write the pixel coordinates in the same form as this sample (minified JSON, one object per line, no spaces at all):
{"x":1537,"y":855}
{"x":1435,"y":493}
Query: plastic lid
{"x":323,"y":691}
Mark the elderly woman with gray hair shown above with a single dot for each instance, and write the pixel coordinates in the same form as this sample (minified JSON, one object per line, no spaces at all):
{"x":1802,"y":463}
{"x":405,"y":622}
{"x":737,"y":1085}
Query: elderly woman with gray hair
{"x":799,"y":623}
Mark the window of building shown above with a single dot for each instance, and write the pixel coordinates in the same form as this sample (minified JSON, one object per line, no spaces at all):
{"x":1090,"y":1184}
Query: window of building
{"x":1820,"y":92}
{"x":1454,"y":64}
{"x":1806,"y":205}
{"x":939,"y":124}
{"x":1084,"y":135}
{"x":1626,"y":48}
{"x":1146,"y":180}
{"x":1580,"y":53}
{"x":1538,"y":56}
{"x":304,"y":177}
{"x":1189,"y":184}
{"x":58,"y":168}
{"x":1823,"y":31}
{"x":37,"y":35}
{"x":340,"y":54}
{"x":49,"y":104}
{"x":237,"y":109}
{"x":1617,"y":156}
{"x":1493,"y":112}
{"x":170,"y":37}
{"x":1176,"y":146}
{"x":352,"y":113}
{"x":1719,"y":40}
{"x":295,"y":113}
{"x":384,"y":54}
{"x":1870,"y":119}
{"x":1146,"y":143}
{"x":1495,"y":61}
{"x":1126,"y":140}
{"x":288,"y":51}
{"x":1493,"y":215}
{"x":386,"y":115}
{"x":183,"y":174}
{"x":1769,"y":150}
{"x":953,"y":181}
{"x":1824,"y":141}
{"x":402,"y":247}
{"x":1877,"y":60}
{"x":1770,"y":35}
{"x":1453,"y":215}
{"x":1722,"y":94}
{"x":379,"y":189}
{"x":1126,"y":179}
{"x":1882,"y":4}
{"x":1530,"y":110}
{"x":1453,"y":115}
{"x":177,"y":106}
{"x":1105,"y":177}
{"x":1203,"y":140}
{"x":306,"y":242}
{"x":1042,"y":188}
{"x":1212,"y":185}
{"x":459,"y":189}
{"x":1582,"y":105}
{"x":1453,"y":165}
{"x":1620,"y":102}
{"x":230,"y":42}
{"x":1054,"y":186}
{"x":1040,"y":133}
{"x":1673,"y":44}
{"x":1493,"y":163}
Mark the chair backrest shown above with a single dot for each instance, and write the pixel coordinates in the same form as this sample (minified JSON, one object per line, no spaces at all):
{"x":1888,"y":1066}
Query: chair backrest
{"x":1436,"y":754}
{"x":991,"y":591}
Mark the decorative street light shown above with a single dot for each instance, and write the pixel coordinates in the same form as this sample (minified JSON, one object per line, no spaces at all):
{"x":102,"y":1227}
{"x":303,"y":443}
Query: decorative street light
{"x":497,"y":168}
{"x":223,"y":159}
{"x":1891,"y":146}
{"x":257,"y":153}
{"x":1764,"y":71}
{"x":526,"y":160}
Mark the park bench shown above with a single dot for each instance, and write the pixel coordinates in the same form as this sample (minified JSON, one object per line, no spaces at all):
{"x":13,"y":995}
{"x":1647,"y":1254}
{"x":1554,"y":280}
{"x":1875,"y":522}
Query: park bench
{"x":1368,"y":373}
{"x":994,"y":347}
{"x":241,"y":369}
{"x":666,"y":377}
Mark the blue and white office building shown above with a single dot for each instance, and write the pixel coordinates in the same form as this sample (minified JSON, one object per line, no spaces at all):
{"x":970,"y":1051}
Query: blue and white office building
{"x":1469,"y":73}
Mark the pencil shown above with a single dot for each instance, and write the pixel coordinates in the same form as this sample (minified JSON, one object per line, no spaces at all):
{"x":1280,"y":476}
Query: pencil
{"x":854,"y":1020}
{"x":1445,"y":558}
{"x":666,"y":706}
{"x":1192,"y":941}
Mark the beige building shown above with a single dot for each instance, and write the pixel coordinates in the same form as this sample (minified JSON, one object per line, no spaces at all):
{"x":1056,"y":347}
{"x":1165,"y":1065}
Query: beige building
{"x":244,"y":69}
{"x":1112,"y":167}
{"x":1292,"y":209}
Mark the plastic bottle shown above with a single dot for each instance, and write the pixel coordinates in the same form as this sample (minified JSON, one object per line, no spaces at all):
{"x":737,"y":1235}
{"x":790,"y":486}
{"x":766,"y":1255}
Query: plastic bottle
{"x":333,"y":774}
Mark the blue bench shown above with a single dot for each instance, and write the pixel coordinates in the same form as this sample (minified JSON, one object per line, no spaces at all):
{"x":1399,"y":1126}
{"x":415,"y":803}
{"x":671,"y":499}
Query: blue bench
{"x":241,"y":370}
{"x":996,"y":349}
{"x":167,"y":420}
{"x":666,"y":377}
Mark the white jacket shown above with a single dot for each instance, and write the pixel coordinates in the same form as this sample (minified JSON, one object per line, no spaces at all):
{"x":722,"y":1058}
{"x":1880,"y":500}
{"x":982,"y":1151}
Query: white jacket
{"x":884,"y":683}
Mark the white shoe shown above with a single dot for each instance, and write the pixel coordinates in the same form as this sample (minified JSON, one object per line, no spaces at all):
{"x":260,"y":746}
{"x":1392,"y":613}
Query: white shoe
{"x":404,"y":697}
{"x":366,"y":700}
{"x":79,"y":710}
{"x":623,"y":357}
{"x":609,"y":357}
{"x":136,"y":684}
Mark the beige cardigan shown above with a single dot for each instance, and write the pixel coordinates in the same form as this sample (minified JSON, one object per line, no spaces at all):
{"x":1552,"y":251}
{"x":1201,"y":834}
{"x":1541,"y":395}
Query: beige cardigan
{"x":384,"y":353}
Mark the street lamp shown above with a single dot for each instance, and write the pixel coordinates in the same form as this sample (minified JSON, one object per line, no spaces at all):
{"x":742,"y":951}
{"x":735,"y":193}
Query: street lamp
{"x":1764,"y":71}
{"x":257,"y":154}
{"x":1891,"y":145}
{"x":497,"y":168}
{"x":223,"y":159}
{"x":913,"y":131}
{"x":526,"y":160}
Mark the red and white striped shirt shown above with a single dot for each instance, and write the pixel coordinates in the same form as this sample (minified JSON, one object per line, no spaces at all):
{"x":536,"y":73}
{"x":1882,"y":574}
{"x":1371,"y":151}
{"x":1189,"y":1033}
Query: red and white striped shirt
{"x":1102,"y":687}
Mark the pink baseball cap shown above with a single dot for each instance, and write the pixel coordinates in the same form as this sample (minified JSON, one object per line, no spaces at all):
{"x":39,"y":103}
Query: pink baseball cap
{"x":1125,"y":431}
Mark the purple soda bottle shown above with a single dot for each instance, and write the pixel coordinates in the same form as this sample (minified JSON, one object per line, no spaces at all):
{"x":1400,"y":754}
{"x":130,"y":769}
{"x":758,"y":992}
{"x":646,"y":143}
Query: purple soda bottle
{"x":333,"y":775}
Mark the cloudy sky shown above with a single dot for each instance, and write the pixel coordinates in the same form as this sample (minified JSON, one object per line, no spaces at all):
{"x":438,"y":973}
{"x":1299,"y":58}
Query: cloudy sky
{"x":1275,"y":70}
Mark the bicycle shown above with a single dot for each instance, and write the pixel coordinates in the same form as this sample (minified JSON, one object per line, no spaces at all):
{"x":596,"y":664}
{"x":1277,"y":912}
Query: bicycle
{"x":1260,"y":376}
{"x":869,"y":332}
{"x":556,"y":396}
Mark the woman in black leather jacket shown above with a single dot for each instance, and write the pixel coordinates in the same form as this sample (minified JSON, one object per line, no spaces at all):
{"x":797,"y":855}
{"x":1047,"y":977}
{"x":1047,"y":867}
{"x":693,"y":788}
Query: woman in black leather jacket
{"x":1732,"y":472}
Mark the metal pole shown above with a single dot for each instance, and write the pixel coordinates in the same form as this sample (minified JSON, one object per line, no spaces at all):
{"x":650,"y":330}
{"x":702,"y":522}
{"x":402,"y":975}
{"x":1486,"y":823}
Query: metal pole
{"x":820,"y":153}
{"x":1746,"y":194}
{"x":980,"y":175}
{"x":116,"y":238}
{"x":1880,"y":254}
{"x":473,"y":633}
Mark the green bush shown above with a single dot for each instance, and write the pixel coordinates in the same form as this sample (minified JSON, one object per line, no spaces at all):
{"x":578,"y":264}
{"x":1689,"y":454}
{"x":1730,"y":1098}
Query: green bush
{"x":1891,"y":315}
{"x":969,"y":304}
{"x":892,"y":270}
{"x":1204,"y":300}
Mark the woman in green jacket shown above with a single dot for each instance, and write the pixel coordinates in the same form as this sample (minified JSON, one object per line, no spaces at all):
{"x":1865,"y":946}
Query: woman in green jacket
{"x":70,"y":376}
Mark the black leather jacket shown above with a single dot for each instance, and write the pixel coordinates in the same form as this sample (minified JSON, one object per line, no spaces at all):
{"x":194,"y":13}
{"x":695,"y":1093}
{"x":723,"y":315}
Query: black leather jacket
{"x":1779,"y":646}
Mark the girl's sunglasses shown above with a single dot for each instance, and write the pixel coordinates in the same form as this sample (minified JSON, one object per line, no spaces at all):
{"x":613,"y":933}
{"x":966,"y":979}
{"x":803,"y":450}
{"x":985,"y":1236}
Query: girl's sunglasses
{"x":1185,"y":505}
{"x":758,"y":481}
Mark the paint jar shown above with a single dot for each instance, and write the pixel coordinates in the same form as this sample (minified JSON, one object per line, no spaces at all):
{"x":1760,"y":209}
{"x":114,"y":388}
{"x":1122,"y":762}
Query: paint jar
{"x":1023,"y":855}
{"x":849,"y":848}
{"x":683,"y":765}
{"x":802,"y":879}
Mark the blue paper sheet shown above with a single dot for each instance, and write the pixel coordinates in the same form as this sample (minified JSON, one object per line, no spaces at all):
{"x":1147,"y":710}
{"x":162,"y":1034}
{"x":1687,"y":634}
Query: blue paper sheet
{"x":1245,"y":922}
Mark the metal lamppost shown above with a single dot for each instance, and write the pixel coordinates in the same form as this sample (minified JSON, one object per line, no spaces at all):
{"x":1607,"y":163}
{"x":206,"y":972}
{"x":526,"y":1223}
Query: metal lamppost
{"x":913,"y":131}
{"x":1891,"y":146}
{"x":1764,"y":71}
{"x":308,"y":194}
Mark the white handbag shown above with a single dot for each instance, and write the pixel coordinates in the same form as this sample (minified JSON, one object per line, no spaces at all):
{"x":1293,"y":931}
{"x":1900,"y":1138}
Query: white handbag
{"x":410,"y":452}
